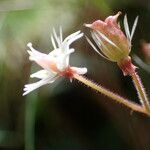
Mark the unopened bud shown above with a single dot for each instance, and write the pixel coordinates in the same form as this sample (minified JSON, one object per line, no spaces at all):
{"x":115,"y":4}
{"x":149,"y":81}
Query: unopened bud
{"x":113,"y":43}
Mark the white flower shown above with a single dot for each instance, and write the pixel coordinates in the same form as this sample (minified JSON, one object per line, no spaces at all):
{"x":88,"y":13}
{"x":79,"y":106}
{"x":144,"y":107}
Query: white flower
{"x":54,"y":64}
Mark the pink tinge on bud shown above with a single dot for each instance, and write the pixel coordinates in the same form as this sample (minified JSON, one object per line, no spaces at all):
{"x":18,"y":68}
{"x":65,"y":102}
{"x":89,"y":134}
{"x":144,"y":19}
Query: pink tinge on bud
{"x":102,"y":26}
{"x":112,"y":20}
{"x":98,"y":25}
{"x":112,"y":31}
{"x":126,"y":66}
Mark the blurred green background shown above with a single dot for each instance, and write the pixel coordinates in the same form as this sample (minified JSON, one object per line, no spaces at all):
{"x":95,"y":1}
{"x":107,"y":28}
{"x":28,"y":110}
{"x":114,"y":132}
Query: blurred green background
{"x":64,"y":115}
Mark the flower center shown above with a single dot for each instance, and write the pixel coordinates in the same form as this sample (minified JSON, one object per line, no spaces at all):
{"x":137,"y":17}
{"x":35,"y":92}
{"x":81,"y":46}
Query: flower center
{"x":68,"y":72}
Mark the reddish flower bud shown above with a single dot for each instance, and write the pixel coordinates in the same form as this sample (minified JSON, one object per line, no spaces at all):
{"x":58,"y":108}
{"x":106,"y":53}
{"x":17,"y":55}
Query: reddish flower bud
{"x":113,"y":43}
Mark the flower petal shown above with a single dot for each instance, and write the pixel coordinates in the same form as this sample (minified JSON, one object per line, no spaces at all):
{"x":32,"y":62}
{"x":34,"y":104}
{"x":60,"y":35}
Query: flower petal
{"x":44,"y":60}
{"x":70,"y":39}
{"x":63,"y":62}
{"x":42,"y":74}
{"x":33,"y":51}
{"x":75,"y":38}
{"x":71,"y":36}
{"x":30,"y":87}
{"x":79,"y":70}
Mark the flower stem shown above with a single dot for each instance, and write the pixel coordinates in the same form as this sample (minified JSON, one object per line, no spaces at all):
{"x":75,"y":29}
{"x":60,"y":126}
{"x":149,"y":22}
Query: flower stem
{"x":141,"y":91}
{"x":110,"y":94}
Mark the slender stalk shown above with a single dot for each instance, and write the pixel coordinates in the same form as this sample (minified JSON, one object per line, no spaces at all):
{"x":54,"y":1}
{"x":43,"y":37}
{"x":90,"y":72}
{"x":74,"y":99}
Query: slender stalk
{"x":110,"y":94}
{"x":141,"y":91}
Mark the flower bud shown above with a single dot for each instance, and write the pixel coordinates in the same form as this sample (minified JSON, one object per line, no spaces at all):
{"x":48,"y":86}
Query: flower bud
{"x":110,"y":39}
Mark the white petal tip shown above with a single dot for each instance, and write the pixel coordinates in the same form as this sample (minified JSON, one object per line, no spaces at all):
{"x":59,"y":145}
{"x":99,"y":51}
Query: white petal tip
{"x":78,"y":32}
{"x":84,"y":71}
{"x":29,"y":52}
{"x":71,"y":50}
{"x":25,"y":85}
{"x":32,"y":76}
{"x":29,"y":44}
{"x":80,"y":70}
{"x":88,"y":25}
{"x":81,"y":34}
{"x":24,"y":94}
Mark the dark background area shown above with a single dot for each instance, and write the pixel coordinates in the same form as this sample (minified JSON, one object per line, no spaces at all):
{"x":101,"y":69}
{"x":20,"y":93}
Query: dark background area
{"x":64,"y":115}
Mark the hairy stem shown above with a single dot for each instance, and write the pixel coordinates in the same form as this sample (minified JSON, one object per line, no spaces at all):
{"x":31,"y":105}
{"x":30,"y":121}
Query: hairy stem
{"x":141,"y":91}
{"x":110,"y":94}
